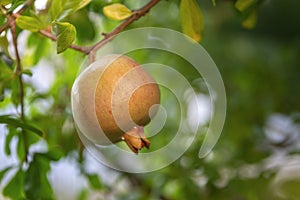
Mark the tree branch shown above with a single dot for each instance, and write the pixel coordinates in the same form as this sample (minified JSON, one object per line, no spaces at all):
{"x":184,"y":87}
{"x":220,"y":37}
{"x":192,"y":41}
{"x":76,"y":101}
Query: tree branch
{"x":91,"y":50}
{"x":73,"y":46}
{"x":109,"y":36}
{"x":11,"y":20}
{"x":18,"y":71}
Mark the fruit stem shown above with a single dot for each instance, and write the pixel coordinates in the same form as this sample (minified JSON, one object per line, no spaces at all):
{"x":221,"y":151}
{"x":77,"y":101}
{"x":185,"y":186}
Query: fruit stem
{"x":136,"y":139}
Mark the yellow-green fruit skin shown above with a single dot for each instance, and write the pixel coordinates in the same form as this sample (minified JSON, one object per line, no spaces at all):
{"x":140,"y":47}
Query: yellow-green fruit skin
{"x":111,"y":96}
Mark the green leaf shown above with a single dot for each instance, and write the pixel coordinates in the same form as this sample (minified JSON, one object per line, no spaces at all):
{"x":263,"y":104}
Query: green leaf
{"x":62,"y":8}
{"x":4,"y":44}
{"x":6,"y":119}
{"x":94,"y":181}
{"x":15,"y":94}
{"x":243,"y":5}
{"x":15,"y":188}
{"x":83,"y":195}
{"x":5,"y":76}
{"x":75,"y":5}
{"x":251,"y":20}
{"x":214,"y":2}
{"x":117,"y":11}
{"x":56,"y":8}
{"x":15,"y":4}
{"x":8,"y":139}
{"x":21,"y":148}
{"x":3,"y":172}
{"x":40,"y":46}
{"x":33,"y":24}
{"x":37,"y":184}
{"x":191,"y":19}
{"x":5,"y":2}
{"x":290,"y":188}
{"x":65,"y":33}
{"x":27,"y":72}
{"x":31,"y":138}
{"x":53,"y":154}
{"x":85,"y":28}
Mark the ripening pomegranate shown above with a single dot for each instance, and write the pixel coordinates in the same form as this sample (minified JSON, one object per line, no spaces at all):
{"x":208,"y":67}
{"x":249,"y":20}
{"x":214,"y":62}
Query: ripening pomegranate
{"x":111,"y":100}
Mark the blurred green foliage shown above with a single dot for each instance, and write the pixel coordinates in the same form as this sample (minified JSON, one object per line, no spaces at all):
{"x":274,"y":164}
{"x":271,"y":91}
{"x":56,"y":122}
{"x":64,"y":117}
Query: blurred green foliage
{"x":260,"y":69}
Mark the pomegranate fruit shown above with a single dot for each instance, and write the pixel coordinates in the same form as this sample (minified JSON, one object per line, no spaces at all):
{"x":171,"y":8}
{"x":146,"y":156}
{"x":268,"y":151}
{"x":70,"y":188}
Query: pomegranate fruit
{"x":111,"y":100}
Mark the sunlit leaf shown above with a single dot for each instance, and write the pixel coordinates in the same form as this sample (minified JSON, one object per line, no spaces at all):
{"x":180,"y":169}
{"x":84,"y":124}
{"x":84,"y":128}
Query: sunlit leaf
{"x":16,"y":4}
{"x":94,"y":181}
{"x":243,"y":5}
{"x":15,"y":188}
{"x":30,"y":23}
{"x":56,"y":8}
{"x":5,"y":2}
{"x":65,"y":33}
{"x":290,"y":188}
{"x":4,"y":44}
{"x":62,"y":8}
{"x":5,"y":119}
{"x":191,"y":19}
{"x":77,"y":4}
{"x":214,"y":2}
{"x":117,"y":11}
{"x":251,"y":20}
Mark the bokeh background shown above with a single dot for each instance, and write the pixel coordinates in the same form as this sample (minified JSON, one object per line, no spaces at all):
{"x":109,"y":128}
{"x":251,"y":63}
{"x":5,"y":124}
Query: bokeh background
{"x":257,"y":155}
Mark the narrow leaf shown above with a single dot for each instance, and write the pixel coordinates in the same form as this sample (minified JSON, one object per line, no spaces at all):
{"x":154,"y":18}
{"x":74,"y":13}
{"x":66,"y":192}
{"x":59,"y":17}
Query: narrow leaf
{"x":251,"y":20}
{"x":191,"y":19}
{"x":27,"y":72}
{"x":5,"y":119}
{"x":33,"y":24}
{"x":8,"y":139}
{"x":65,"y":33}
{"x":15,"y":94}
{"x":117,"y":11}
{"x":94,"y":181}
{"x":4,"y":44}
{"x":15,"y":188}
{"x":243,"y":5}
{"x":214,"y":2}
{"x":21,"y":148}
{"x":83,"y":3}
{"x":3,"y":172}
{"x":16,"y":4}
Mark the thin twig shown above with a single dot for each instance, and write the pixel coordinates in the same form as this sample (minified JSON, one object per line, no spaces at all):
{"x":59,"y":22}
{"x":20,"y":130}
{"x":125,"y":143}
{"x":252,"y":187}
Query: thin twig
{"x":72,"y":46}
{"x":18,"y":72}
{"x":109,"y":36}
{"x":11,"y":20}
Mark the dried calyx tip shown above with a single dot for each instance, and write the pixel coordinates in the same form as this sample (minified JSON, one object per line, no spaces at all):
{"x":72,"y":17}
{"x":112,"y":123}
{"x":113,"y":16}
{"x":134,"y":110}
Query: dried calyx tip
{"x":136,"y":139}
